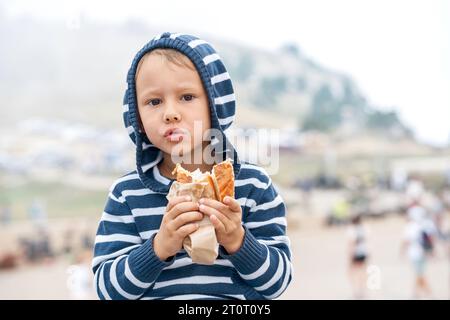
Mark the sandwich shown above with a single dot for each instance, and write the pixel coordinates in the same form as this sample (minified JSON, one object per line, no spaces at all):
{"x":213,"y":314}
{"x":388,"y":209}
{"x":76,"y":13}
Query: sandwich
{"x":218,"y":184}
{"x":202,"y":245}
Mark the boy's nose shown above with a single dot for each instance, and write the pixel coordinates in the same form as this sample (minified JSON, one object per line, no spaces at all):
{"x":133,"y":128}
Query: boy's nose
{"x":172,"y":116}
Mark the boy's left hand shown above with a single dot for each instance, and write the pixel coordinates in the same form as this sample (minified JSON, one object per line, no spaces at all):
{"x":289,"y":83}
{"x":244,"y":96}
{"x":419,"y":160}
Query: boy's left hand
{"x":226,"y":218}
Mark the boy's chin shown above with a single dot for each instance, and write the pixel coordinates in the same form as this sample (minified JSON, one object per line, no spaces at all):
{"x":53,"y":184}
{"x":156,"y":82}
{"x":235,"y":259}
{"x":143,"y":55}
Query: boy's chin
{"x":185,"y":151}
{"x":179,"y":149}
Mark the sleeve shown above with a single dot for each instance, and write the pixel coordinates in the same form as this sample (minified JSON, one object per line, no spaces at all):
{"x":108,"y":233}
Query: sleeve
{"x":264,"y":259}
{"x":124,"y":267}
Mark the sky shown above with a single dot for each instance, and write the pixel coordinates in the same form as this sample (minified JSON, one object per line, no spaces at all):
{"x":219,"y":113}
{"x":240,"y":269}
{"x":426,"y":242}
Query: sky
{"x":398,"y":52}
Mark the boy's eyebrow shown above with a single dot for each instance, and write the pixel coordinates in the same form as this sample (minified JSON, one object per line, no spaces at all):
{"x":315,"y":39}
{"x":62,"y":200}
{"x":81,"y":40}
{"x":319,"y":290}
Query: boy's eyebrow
{"x":180,"y":86}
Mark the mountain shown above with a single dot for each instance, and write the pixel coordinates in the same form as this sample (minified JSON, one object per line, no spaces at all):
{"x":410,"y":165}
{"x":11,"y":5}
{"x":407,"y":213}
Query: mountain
{"x":76,"y":70}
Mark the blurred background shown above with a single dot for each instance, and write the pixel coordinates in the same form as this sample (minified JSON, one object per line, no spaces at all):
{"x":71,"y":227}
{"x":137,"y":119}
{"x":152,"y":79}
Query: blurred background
{"x":357,"y":89}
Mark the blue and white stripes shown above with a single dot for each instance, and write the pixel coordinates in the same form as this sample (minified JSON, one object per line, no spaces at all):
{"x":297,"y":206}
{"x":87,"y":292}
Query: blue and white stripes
{"x":126,"y":267}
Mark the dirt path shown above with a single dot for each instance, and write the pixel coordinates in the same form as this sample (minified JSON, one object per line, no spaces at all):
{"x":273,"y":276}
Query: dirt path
{"x":319,"y":259}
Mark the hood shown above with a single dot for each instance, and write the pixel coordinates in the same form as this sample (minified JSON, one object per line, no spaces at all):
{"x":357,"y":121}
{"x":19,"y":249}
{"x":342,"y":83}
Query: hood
{"x":218,"y":86}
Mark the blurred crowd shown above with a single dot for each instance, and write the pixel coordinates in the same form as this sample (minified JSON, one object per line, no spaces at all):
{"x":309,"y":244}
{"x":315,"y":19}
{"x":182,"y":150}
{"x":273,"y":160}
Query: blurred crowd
{"x":42,"y":243}
{"x":425,"y":210}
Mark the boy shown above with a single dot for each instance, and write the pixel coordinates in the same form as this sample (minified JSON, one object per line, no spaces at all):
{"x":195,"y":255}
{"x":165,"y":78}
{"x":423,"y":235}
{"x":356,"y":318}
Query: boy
{"x":175,"y":83}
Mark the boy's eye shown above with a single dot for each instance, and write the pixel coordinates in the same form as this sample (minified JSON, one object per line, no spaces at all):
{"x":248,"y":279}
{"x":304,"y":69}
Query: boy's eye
{"x":188,"y":97}
{"x":154,"y":102}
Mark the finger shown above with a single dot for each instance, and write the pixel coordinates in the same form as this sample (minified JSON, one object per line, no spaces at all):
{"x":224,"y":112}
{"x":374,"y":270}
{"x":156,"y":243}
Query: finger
{"x":217,"y":224}
{"x":185,"y":218}
{"x":187,"y":229}
{"x":180,"y":208}
{"x":214,"y":204}
{"x":176,"y":200}
{"x":211,"y":211}
{"x":232,"y":204}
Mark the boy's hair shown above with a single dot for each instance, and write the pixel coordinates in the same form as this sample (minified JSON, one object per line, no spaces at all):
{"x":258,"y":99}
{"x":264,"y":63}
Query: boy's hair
{"x":170,"y":55}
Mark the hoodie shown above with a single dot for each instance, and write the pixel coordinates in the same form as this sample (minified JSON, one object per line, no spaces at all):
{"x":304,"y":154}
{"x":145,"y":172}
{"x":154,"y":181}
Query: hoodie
{"x":125,"y":265}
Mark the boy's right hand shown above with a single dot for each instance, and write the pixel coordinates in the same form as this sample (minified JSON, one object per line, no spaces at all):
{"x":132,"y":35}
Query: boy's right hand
{"x":179,"y":220}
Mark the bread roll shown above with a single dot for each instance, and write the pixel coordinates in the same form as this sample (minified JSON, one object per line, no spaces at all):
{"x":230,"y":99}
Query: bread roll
{"x":219,"y":184}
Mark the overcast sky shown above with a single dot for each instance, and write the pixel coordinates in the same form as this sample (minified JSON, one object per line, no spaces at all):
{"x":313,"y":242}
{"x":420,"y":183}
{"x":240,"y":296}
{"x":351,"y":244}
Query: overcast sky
{"x":398,"y":51}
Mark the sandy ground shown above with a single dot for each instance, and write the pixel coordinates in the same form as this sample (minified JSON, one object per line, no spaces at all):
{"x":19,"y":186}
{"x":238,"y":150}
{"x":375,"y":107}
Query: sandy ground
{"x":319,"y":259}
{"x":320,"y":263}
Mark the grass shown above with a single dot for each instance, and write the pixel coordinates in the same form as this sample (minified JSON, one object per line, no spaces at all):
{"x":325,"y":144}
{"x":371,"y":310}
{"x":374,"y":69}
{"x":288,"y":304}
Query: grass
{"x":299,"y":166}
{"x":58,"y":199}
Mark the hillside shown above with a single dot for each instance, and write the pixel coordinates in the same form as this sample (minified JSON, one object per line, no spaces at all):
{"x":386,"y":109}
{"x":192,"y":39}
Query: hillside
{"x":50,"y":69}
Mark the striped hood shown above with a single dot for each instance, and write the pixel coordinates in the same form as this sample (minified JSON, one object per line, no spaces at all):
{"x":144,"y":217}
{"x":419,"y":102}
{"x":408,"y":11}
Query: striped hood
{"x":217,"y":85}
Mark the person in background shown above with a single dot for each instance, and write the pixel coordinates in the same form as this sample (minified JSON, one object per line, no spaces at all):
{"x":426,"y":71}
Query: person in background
{"x":438,"y":210}
{"x":340,"y":212}
{"x":414,"y":190}
{"x":68,"y":241}
{"x":358,"y":255}
{"x":79,"y":281}
{"x":418,"y":240}
{"x":38,"y":214}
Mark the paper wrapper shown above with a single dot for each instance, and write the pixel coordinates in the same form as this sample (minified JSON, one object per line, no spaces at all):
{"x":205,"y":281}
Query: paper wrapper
{"x":201,"y":245}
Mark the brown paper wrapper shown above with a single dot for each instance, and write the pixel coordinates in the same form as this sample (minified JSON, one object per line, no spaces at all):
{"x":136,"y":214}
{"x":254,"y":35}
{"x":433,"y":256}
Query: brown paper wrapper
{"x":201,"y":245}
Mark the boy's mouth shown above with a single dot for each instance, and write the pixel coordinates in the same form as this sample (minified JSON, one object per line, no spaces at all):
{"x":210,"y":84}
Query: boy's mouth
{"x":174,"y":135}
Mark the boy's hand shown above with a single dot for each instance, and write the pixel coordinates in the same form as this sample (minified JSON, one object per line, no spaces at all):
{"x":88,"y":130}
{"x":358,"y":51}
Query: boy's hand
{"x":227,"y":220}
{"x":179,"y":221}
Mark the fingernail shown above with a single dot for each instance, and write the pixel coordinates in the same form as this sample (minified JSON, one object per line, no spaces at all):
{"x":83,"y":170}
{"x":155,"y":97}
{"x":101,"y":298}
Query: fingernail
{"x":188,"y":198}
{"x":200,"y":201}
{"x":201,"y":207}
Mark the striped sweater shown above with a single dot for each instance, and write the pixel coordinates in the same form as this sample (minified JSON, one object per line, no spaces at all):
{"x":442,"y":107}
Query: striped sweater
{"x":125,"y":265}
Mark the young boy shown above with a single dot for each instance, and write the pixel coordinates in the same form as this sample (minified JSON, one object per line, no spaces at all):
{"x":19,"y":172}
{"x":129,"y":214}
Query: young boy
{"x":175,"y":83}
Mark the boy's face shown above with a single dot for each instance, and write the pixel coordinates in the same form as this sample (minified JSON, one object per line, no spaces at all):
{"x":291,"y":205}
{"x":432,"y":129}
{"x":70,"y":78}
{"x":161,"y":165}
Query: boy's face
{"x":172,"y":96}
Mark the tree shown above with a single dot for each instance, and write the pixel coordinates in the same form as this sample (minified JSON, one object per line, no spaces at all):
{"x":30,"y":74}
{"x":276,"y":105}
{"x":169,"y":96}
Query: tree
{"x":291,"y":48}
{"x":269,"y":90}
{"x":244,"y":68}
{"x":325,"y":112}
